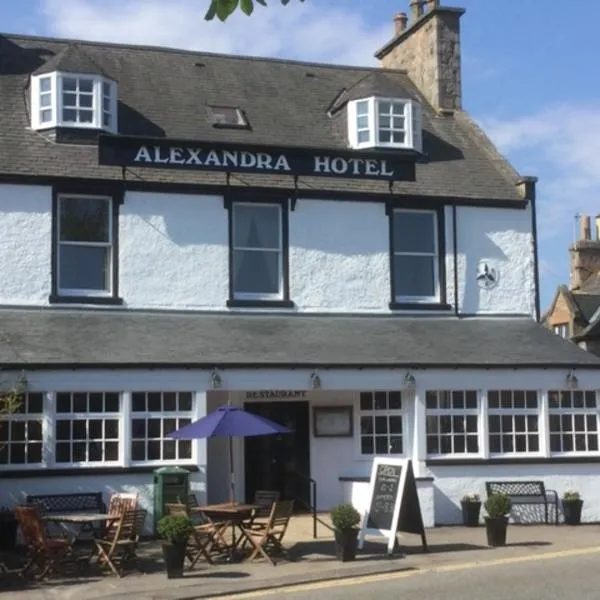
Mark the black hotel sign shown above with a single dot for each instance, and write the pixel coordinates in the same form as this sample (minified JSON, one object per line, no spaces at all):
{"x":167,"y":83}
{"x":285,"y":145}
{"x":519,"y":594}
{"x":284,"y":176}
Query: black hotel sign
{"x":251,"y":158}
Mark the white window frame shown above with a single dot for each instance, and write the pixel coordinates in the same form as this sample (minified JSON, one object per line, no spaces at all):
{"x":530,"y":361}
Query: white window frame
{"x":573,"y":412}
{"x":412,"y":121}
{"x":561,"y":330}
{"x":435,"y":255}
{"x":454,"y":412}
{"x":258,"y":296}
{"x":89,"y":416}
{"x":50,"y":417}
{"x":110,"y":245}
{"x":56,"y":105}
{"x":402,"y":412}
{"x":162,"y":416}
{"x":6,"y":421}
{"x":512,"y":413}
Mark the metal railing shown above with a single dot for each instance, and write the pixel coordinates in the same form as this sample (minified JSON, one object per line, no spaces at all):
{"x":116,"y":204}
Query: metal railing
{"x":311,"y":505}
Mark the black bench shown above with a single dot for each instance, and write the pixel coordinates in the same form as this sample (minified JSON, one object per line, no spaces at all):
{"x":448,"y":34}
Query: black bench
{"x":526,"y":492}
{"x":69,"y":503}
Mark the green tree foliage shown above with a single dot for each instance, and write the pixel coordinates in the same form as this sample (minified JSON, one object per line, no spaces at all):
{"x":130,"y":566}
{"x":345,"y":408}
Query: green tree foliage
{"x":223,"y":8}
{"x":11,"y":397}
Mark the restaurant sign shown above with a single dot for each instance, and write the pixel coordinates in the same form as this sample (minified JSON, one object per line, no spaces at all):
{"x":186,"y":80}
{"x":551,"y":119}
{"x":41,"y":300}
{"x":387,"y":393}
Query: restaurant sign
{"x":250,"y":158}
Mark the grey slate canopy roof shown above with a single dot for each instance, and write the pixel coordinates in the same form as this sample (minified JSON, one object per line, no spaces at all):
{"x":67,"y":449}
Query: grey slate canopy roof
{"x":47,"y":338}
{"x":164,"y":93}
{"x":72,"y":59}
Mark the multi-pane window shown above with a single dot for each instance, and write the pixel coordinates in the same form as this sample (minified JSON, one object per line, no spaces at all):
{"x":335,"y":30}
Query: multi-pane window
{"x":561,"y":330}
{"x":107,"y":105}
{"x":77,"y":100}
{"x":415,"y":261}
{"x":74,"y":101}
{"x":391,"y":122}
{"x":154,"y":416}
{"x":46,"y":107}
{"x":257,"y":251}
{"x":363,"y":129}
{"x":452,"y":422}
{"x":381,"y":422}
{"x":385,"y":123}
{"x":87,"y":427}
{"x":573,"y":421}
{"x":513,"y":421}
{"x":85,"y":239}
{"x":21,"y":432}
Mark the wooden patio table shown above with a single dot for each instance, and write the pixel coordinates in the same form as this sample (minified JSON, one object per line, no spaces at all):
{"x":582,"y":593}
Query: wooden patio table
{"x":229,"y":516}
{"x":85,"y":521}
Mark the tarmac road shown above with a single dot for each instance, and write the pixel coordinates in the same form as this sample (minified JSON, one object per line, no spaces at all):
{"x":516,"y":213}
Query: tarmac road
{"x":561,"y":578}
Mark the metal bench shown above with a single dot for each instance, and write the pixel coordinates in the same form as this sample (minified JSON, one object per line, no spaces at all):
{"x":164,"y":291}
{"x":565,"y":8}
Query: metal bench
{"x":526,"y":492}
{"x":69,"y":503}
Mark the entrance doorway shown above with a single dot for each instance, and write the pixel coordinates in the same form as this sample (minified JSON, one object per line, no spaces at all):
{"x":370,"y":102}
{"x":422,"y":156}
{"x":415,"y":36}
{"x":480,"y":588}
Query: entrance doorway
{"x":280,"y":462}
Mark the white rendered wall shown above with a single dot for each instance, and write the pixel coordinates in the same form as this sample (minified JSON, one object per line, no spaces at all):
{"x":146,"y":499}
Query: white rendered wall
{"x":173,"y":253}
{"x":502,"y":239}
{"x":25,"y":244}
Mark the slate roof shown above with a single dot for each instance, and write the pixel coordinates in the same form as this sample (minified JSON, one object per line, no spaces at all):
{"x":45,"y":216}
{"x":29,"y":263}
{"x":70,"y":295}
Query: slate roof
{"x":588,"y":304}
{"x":71,"y":59}
{"x":46,"y":338}
{"x":164,"y":93}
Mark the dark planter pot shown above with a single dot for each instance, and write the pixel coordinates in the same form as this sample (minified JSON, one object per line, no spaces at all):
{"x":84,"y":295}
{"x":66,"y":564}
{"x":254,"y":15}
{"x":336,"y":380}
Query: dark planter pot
{"x":572,"y":511}
{"x":470,"y":513}
{"x":345,"y":544}
{"x":8,"y":532}
{"x":174,"y":557}
{"x":495,"y":528}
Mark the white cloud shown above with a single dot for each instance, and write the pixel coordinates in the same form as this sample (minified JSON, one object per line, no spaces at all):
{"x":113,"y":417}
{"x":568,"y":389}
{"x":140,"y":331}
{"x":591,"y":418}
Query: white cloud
{"x":299,"y":31}
{"x":560,"y":144}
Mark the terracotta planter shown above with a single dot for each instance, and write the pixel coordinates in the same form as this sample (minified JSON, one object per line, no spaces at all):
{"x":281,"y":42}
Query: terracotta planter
{"x":495,"y":528}
{"x":572,"y":511}
{"x":470,"y":513}
{"x":345,"y":544}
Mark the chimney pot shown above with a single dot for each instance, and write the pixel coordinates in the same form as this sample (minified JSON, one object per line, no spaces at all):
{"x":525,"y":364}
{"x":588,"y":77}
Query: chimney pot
{"x":584,"y":228}
{"x":431,"y":4}
{"x":416,"y":9}
{"x":597,"y":227}
{"x":400,"y":22}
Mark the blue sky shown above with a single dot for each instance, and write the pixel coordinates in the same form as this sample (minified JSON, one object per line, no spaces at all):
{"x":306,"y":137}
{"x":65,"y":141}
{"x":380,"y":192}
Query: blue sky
{"x":530,"y":74}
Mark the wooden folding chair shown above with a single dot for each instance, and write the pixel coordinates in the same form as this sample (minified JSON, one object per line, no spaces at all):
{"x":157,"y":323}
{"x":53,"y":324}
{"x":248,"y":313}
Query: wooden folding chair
{"x":43,"y":552}
{"x":206,"y":539}
{"x":266,"y":541}
{"x":264,"y":499}
{"x":119,"y":502}
{"x":119,"y":545}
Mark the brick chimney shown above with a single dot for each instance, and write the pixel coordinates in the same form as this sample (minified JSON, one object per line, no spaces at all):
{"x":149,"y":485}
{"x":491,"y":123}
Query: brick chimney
{"x":429,"y":50}
{"x":585,"y":252}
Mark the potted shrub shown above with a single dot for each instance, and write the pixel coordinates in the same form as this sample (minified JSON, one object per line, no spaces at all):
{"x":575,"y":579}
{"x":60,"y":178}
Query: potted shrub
{"x":8,"y":530}
{"x":175,"y":531}
{"x":497,"y":507}
{"x":345,"y":519}
{"x":471,"y":506}
{"x":571,"y":505}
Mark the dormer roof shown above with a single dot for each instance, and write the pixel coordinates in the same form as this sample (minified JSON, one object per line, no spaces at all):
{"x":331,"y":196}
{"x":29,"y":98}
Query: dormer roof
{"x":71,"y":59}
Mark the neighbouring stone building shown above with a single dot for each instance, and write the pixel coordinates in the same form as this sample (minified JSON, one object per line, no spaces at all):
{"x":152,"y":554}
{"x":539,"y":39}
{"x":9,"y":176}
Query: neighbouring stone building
{"x":338,"y":248}
{"x":574,"y":312}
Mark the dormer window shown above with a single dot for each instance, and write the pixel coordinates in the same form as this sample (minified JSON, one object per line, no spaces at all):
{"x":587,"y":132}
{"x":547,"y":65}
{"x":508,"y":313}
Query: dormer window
{"x":384,"y":123}
{"x":73,"y":100}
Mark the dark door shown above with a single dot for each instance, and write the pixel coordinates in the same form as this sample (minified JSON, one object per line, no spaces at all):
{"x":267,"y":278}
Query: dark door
{"x":280,"y":462}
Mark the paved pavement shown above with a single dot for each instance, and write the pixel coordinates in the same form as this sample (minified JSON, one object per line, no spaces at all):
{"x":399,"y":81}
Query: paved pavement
{"x":313,"y":560}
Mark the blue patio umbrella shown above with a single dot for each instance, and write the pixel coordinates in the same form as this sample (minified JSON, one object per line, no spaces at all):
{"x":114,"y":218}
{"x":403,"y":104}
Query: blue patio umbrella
{"x":229,"y":421}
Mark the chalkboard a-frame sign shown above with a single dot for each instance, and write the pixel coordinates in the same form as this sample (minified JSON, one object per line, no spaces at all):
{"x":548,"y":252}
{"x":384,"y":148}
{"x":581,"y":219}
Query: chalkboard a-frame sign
{"x":393,"y":502}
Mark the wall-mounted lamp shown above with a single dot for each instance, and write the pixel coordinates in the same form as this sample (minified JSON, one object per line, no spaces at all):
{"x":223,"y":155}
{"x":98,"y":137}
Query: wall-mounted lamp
{"x":409,"y":380}
{"x":571,"y":379}
{"x":215,"y":379}
{"x":315,"y":381}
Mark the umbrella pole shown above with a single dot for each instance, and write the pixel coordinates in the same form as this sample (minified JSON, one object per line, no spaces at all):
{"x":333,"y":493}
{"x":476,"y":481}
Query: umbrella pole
{"x":231,"y":473}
